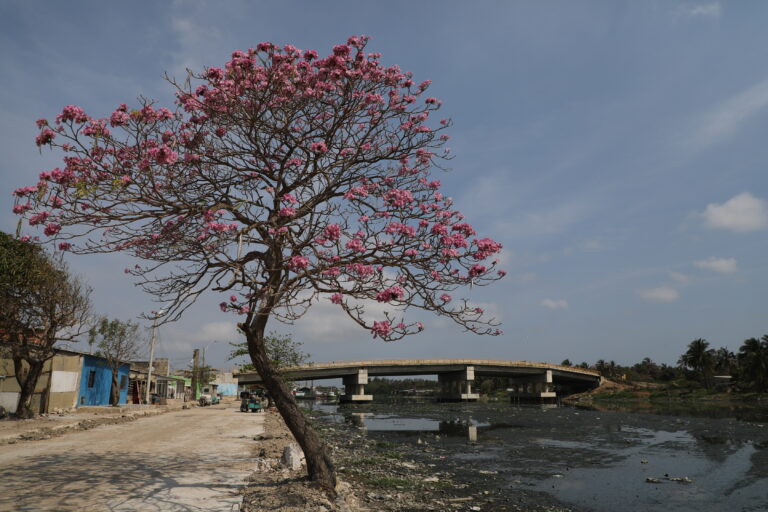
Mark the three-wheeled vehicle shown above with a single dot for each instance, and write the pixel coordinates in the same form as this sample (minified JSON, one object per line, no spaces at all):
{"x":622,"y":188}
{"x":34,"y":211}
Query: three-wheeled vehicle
{"x":250,"y":401}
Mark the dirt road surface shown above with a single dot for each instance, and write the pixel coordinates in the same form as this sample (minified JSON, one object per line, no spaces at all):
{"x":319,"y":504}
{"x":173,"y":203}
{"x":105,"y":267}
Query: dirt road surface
{"x":190,"y":460}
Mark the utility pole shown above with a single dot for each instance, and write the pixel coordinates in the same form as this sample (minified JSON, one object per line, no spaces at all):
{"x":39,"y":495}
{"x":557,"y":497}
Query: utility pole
{"x":152,"y":353}
{"x":195,"y":357}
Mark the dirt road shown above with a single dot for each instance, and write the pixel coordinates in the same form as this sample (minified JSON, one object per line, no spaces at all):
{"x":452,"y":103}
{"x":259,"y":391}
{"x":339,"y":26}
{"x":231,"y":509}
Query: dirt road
{"x":190,"y":460}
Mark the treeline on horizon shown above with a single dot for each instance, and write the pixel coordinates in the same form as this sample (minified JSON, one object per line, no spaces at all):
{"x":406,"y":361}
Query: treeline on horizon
{"x":700,"y":364}
{"x":697,"y":367}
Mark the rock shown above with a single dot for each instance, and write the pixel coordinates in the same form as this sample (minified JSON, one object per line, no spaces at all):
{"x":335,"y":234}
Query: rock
{"x":291,"y":457}
{"x":644,"y":461}
{"x":431,"y":479}
{"x":651,"y":480}
{"x":681,"y":479}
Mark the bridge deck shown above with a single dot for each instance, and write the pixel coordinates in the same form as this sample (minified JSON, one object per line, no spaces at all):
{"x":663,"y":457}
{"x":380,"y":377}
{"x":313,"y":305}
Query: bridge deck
{"x":399,"y":367}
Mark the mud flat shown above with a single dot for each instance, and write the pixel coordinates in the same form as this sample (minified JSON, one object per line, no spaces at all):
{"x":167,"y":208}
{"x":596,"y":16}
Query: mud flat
{"x":424,"y":456}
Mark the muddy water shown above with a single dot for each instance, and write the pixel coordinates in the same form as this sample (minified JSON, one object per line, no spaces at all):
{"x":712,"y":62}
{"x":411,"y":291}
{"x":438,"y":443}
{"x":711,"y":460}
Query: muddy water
{"x":591,"y":460}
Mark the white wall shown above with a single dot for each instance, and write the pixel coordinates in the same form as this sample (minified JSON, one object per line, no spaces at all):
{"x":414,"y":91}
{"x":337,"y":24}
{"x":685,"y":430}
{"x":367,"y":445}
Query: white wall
{"x":9,"y":400}
{"x":62,"y":382}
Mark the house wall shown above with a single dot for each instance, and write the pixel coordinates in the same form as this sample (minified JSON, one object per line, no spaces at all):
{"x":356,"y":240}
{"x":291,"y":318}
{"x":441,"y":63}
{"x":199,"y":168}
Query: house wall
{"x":57,"y":387}
{"x":95,"y":390}
{"x":65,"y":381}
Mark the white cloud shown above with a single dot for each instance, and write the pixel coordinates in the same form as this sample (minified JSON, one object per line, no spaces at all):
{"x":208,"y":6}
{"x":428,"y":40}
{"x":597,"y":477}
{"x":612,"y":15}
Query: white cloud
{"x":554,"y":304}
{"x":195,"y":46}
{"x":662,"y":293}
{"x":711,"y":10}
{"x":741,"y":213}
{"x":679,"y":278}
{"x":725,"y":119}
{"x":722,"y":265}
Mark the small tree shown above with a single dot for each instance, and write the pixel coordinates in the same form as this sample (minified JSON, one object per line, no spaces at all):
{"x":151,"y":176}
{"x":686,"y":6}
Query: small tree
{"x":40,"y":304}
{"x":281,"y":179}
{"x":283,"y":351}
{"x":118,"y":342}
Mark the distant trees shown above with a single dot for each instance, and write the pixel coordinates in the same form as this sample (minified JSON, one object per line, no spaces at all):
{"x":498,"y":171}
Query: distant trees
{"x":117,"y":342}
{"x":753,"y":364}
{"x":41,"y":304}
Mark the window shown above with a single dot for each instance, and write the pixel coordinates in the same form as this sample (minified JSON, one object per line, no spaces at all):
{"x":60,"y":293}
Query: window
{"x":123,"y":382}
{"x":91,"y":378}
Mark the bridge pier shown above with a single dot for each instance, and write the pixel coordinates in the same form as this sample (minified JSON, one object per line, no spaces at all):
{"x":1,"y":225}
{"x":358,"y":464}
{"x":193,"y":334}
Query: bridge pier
{"x":457,"y":386}
{"x":354,"y":387}
{"x":537,"y":387}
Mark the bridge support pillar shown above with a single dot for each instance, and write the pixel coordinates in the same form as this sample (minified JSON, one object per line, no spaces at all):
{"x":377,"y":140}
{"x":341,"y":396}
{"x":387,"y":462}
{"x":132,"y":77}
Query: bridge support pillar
{"x":537,"y":387}
{"x":457,"y":386}
{"x":354,"y":387}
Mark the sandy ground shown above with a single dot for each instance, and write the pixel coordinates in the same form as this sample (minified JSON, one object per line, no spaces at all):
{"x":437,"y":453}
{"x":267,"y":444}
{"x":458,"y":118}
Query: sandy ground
{"x":190,"y":460}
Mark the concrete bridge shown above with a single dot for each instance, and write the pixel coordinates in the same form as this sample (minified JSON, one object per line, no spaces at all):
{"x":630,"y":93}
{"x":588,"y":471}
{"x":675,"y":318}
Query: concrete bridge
{"x":527,"y":381}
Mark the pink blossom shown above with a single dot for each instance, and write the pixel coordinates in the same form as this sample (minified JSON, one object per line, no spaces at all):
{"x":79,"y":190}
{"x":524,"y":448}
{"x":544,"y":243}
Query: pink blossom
{"x":65,"y":246}
{"x":332,"y":272}
{"x":502,"y":273}
{"x":360,"y":269}
{"x":39,"y":218}
{"x":220,"y":131}
{"x":336,"y":298}
{"x":73,"y":113}
{"x":45,"y":137}
{"x":51,"y":229}
{"x":232,"y":298}
{"x":476,"y":270}
{"x":445,"y":297}
{"x":399,"y":198}
{"x":411,"y":252}
{"x":392,"y":293}
{"x":41,"y":122}
{"x":289,"y":198}
{"x":318,"y":147}
{"x":298,"y":262}
{"x":439,"y":229}
{"x":332,"y":232}
{"x":381,"y":329}
{"x":346,"y":152}
{"x":21,"y":208}
{"x":486,"y":247}
{"x":355,"y":245}
{"x":287,"y":212}
{"x":223,"y":306}
{"x":479,"y":310}
{"x":163,"y":155}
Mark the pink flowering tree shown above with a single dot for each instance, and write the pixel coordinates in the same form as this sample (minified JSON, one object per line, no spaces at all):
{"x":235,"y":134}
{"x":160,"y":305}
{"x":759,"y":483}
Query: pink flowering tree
{"x":280,"y":180}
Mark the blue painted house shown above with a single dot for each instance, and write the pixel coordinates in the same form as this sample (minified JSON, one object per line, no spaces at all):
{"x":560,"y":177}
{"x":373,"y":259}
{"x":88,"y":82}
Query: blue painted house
{"x":96,"y":381}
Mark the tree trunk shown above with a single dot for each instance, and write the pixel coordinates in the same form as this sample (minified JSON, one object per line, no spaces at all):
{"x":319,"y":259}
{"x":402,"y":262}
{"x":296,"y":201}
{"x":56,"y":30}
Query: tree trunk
{"x":319,"y":464}
{"x":114,"y":393}
{"x":27,"y":382}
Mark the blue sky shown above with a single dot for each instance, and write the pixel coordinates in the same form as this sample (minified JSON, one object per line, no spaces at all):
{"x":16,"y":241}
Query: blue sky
{"x":617,"y":150}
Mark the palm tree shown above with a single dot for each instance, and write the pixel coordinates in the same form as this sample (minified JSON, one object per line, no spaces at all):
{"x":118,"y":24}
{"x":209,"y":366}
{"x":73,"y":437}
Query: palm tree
{"x":725,"y":360}
{"x":699,"y":358}
{"x":753,"y":363}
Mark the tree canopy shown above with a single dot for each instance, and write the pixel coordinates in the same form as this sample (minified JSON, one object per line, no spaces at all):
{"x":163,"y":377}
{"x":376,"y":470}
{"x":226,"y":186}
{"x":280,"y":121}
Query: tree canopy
{"x":279,"y":179}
